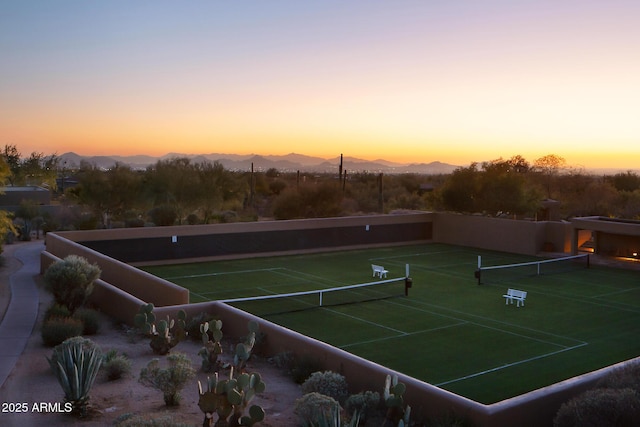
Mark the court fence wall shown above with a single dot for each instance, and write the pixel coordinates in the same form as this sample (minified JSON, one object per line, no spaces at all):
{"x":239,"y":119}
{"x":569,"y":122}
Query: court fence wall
{"x":154,"y":245}
{"x":122,"y":289}
{"x":502,"y":234}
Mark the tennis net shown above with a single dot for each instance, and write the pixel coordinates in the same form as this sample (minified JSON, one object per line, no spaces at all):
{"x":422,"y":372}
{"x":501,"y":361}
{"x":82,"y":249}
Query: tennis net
{"x":506,"y":272}
{"x":265,"y":305}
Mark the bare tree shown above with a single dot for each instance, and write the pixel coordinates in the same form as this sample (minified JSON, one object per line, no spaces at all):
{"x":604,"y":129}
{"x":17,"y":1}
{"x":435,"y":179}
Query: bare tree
{"x":549,"y":167}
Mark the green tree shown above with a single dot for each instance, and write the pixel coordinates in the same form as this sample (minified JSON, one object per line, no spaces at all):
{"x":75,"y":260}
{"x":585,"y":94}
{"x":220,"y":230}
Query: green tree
{"x":461,"y":190}
{"x":41,"y":170}
{"x":92,"y":191}
{"x":11,"y":157}
{"x":108,"y":194}
{"x":311,"y":201}
{"x":218,"y":189}
{"x":627,"y":204}
{"x":123,"y":191}
{"x":37,"y":169}
{"x":6,"y":223}
{"x":28,"y":212}
{"x":502,"y":188}
{"x":173,"y":182}
{"x":628,"y":181}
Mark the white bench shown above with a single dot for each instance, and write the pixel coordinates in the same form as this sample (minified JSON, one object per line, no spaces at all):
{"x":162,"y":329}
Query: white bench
{"x":514,"y":294}
{"x":379,"y":270}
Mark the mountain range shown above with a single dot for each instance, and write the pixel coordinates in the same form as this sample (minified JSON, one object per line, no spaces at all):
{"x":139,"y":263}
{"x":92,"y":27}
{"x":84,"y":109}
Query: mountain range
{"x":286,"y":163}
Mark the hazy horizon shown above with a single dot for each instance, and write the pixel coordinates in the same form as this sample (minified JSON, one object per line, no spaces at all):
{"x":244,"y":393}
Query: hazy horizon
{"x":408,"y":81}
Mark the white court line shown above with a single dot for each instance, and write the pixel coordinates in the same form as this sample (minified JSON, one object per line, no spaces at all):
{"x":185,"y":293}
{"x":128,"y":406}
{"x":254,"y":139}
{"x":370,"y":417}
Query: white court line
{"x":190,"y":276}
{"x":486,"y":319}
{"x":303,"y":275}
{"x":415,"y":255}
{"x":201,"y":296}
{"x":621,"y":291}
{"x":509,"y":365}
{"x":398,"y":331}
{"x":403,"y":335}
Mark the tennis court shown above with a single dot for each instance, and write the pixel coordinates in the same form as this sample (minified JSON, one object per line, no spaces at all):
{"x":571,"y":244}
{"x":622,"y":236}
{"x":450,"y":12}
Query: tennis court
{"x":449,"y":331}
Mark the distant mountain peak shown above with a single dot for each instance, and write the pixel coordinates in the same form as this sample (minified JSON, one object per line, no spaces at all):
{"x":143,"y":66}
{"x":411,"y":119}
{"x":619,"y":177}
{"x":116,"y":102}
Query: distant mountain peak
{"x":289,"y":162}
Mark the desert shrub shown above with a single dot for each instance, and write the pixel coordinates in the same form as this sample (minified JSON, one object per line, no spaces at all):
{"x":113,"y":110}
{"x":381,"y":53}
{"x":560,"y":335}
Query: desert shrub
{"x":600,"y":407}
{"x":71,"y":280}
{"x":284,"y":360}
{"x":328,"y":383}
{"x":57,"y":329}
{"x":138,"y":420}
{"x":313,"y":406}
{"x":625,"y":377}
{"x":56,"y":310}
{"x":367,"y":404}
{"x":298,"y":368}
{"x":90,"y":320}
{"x":304,"y":367}
{"x":115,"y":365}
{"x":170,"y":381}
{"x":76,"y":363}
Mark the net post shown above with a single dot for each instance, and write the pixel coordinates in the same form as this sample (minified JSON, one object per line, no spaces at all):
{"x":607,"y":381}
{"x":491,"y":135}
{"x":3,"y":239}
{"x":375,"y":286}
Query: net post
{"x":320,"y":298}
{"x":477,"y":272}
{"x":408,"y":282}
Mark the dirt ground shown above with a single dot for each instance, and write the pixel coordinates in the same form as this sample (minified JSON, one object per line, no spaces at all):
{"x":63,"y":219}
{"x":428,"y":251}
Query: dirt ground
{"x":32,"y":382}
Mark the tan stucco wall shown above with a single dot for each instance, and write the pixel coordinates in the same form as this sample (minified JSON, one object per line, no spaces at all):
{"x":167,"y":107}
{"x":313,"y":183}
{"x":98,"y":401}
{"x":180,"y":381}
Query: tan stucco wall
{"x":500,"y":234}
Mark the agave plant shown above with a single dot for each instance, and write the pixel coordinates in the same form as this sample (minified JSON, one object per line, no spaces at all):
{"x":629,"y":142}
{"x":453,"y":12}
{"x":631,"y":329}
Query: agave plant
{"x":76,"y":363}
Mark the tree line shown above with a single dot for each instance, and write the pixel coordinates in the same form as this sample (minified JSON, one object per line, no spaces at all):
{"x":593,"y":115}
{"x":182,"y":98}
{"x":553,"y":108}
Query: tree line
{"x":182,"y":191}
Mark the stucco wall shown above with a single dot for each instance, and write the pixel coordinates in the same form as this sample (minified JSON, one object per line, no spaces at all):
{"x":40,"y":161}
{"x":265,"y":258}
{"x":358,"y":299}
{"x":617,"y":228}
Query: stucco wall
{"x":501,"y":234}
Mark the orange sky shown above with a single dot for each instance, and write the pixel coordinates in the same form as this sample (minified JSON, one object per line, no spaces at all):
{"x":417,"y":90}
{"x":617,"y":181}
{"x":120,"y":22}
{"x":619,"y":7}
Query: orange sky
{"x":405,"y":81}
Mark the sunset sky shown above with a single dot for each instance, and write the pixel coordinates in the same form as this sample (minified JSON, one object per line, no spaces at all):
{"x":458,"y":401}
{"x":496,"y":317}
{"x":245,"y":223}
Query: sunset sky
{"x":407,"y":81}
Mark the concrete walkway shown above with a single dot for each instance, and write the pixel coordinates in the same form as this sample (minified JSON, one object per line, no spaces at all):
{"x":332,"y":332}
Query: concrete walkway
{"x":22,"y":312}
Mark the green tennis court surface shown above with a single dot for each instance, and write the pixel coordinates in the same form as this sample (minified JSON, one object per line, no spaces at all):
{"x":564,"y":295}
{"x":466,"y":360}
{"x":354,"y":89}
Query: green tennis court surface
{"x":449,"y":331}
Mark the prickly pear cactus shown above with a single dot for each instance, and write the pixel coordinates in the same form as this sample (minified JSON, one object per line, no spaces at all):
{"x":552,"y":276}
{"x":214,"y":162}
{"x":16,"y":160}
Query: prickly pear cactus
{"x":397,"y":414}
{"x":212,"y":348}
{"x":243,"y":349}
{"x":145,"y":319}
{"x":228,"y":399}
{"x":164,"y":334}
